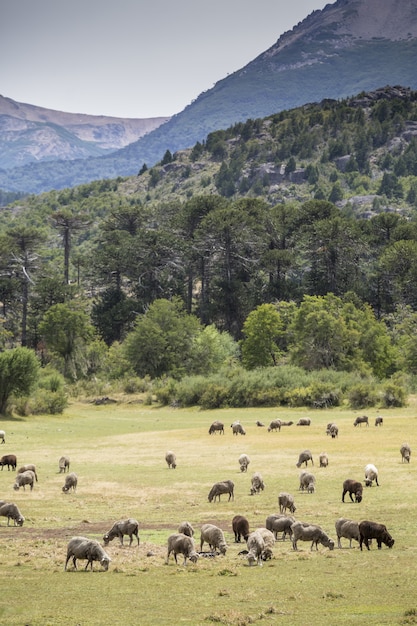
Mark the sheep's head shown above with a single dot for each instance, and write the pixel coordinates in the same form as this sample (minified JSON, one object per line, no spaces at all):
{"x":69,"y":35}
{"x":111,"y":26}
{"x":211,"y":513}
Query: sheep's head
{"x":222,"y":548}
{"x":16,"y":487}
{"x":194,"y":556}
{"x":106,"y":539}
{"x":267,"y":554}
{"x":20,"y":520}
{"x":105,"y":562}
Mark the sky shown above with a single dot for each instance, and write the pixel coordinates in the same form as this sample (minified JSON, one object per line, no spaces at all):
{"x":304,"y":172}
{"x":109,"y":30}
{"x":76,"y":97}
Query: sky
{"x":133,"y":58}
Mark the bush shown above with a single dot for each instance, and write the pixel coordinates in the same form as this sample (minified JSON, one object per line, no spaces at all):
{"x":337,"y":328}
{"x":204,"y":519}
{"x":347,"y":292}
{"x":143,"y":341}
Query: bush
{"x":214,"y":397}
{"x":44,"y":402}
{"x":362,"y":396}
{"x":393,"y":396}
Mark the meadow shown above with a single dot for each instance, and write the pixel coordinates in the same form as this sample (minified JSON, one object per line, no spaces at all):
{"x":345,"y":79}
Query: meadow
{"x":118,"y":453}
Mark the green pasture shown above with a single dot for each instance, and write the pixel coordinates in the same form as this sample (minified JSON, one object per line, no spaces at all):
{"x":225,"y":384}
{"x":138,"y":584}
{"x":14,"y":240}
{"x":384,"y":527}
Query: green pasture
{"x":118,"y":452}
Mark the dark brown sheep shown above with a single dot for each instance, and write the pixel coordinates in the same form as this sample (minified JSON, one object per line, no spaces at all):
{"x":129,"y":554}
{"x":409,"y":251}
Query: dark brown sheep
{"x":373,"y":530}
{"x":9,"y":460}
{"x":240,"y":526}
{"x":352,"y":487}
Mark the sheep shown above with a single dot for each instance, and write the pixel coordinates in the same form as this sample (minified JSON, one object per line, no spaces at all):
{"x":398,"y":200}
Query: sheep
{"x":27,"y":467}
{"x":371,"y":474}
{"x":213,"y":535}
{"x":182,"y":544}
{"x":347,"y":528}
{"x":269,"y":542}
{"x":304,"y":457}
{"x":256,"y":546}
{"x":3,"y":436}
{"x":83,"y":548}
{"x":258,"y":423}
{"x":287,"y":423}
{"x":274,"y":425}
{"x":353,"y":487}
{"x":332,"y":430}
{"x":307,"y":482}
{"x":405,"y":451}
{"x":310,"y":532}
{"x":379,"y":420}
{"x":244,"y":461}
{"x":237,"y":428}
{"x":225,"y":486}
{"x":26,"y":478}
{"x":128,"y":527}
{"x":11,"y":511}
{"x":240,"y":527}
{"x":361,"y":420}
{"x":171,"y":459}
{"x":186,"y":529}
{"x":324,"y":459}
{"x":286,"y":501}
{"x":9,"y":460}
{"x":71,"y":481}
{"x":257,"y":483}
{"x":216,"y":427}
{"x":64,"y":464}
{"x":280,"y":524}
{"x":373,"y":530}
{"x":304,"y":421}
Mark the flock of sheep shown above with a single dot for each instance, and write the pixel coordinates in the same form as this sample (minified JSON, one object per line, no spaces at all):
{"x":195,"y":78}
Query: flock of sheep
{"x":259,"y":542}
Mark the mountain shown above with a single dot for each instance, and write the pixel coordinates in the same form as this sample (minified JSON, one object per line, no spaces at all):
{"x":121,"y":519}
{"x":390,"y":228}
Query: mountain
{"x":348,"y":47}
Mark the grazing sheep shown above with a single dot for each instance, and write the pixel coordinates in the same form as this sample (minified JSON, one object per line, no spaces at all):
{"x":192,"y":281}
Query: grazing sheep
{"x":332,"y":430}
{"x":280,"y":524}
{"x":256,"y":546}
{"x":213,"y":535}
{"x":379,"y":420}
{"x":11,"y":511}
{"x":83,"y":548}
{"x":171,"y":459}
{"x":257,"y":483}
{"x":128,"y":527}
{"x":304,"y":421}
{"x":225,"y":486}
{"x":71,"y":481}
{"x":405,"y":453}
{"x":347,"y":528}
{"x":269,"y":542}
{"x":352,"y":487}
{"x":26,"y":478}
{"x":307,"y":482}
{"x":3,"y":436}
{"x":287,"y":423}
{"x":310,"y":532}
{"x":182,"y":544}
{"x":324,"y":459}
{"x":373,"y":530}
{"x":216,"y":427}
{"x":9,"y":460}
{"x":186,"y":529}
{"x":361,"y":420}
{"x":304,"y":457}
{"x":274,"y":425}
{"x":244,"y":461}
{"x":286,"y":501}
{"x":240,"y":526}
{"x":371,"y":474}
{"x":237,"y":428}
{"x":27,"y":467}
{"x":258,"y":423}
{"x":64,"y":464}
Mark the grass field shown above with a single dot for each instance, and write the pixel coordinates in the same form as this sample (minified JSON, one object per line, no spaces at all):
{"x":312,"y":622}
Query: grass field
{"x":118,"y":452}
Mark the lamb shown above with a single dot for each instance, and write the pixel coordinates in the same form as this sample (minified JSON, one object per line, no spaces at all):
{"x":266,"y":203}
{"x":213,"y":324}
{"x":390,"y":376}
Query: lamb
{"x":128,"y":527}
{"x":240,"y":526}
{"x":182,"y":544}
{"x":11,"y":511}
{"x":310,"y":532}
{"x":379,"y":420}
{"x":257,"y":483}
{"x":244,"y":461}
{"x":373,"y":530}
{"x":171,"y":459}
{"x":64,"y":464}
{"x":324,"y":459}
{"x":26,"y":478}
{"x":9,"y":460}
{"x":347,"y":528}
{"x":304,"y":457}
{"x":237,"y":428}
{"x":371,"y":474}
{"x":280,"y":524}
{"x":353,"y":487}
{"x":186,"y":529}
{"x":304,"y":421}
{"x":274,"y":425}
{"x":286,"y":501}
{"x":213,"y":535}
{"x":83,"y":548}
{"x":27,"y":467}
{"x":225,"y":486}
{"x":3,"y":436}
{"x":307,"y":482}
{"x":361,"y":420}
{"x":405,"y":451}
{"x":256,"y":546}
{"x":71,"y":481}
{"x":216,"y":427}
{"x":269,"y":542}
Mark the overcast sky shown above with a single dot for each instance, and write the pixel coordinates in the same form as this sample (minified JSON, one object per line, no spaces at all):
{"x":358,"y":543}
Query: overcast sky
{"x":133,"y":58}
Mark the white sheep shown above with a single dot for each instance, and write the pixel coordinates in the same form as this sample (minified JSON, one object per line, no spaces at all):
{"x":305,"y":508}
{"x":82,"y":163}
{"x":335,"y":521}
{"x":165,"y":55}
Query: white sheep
{"x":256,"y":546}
{"x":307,"y":482}
{"x":3,"y":436}
{"x":64,"y":464}
{"x":213,"y":535}
{"x":71,"y":481}
{"x":347,"y":528}
{"x":11,"y":511}
{"x":280,"y":524}
{"x":275,"y":425}
{"x":186,"y":529}
{"x":286,"y":501}
{"x":405,"y":451}
{"x":83,"y":548}
{"x":324,"y":459}
{"x":27,"y":467}
{"x":178,"y":543}
{"x":310,"y":532}
{"x":244,"y":461}
{"x":171,"y":459}
{"x":237,"y":428}
{"x":128,"y":527}
{"x":269,"y":542}
{"x":257,"y":483}
{"x":23,"y":479}
{"x":371,"y":474}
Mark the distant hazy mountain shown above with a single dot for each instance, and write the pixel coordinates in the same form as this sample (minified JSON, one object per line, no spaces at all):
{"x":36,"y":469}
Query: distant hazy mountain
{"x":348,"y":47}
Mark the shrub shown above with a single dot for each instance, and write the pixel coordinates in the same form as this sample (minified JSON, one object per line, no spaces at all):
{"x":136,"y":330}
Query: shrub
{"x":214,"y":397}
{"x":362,"y":395}
{"x":393,"y":396}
